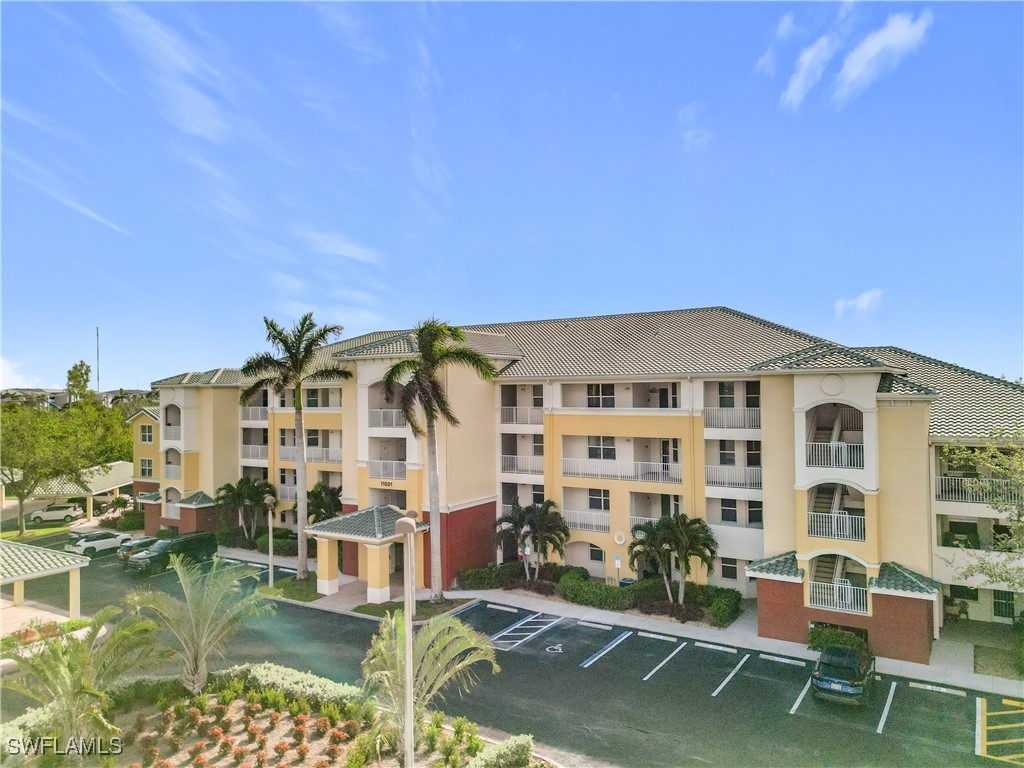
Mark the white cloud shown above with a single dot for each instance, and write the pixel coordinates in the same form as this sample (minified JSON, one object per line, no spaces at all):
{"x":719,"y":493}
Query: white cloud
{"x":861,"y":305}
{"x":810,"y":66}
{"x":341,"y":19}
{"x":783,"y":30}
{"x":766,"y":63}
{"x":288,"y":283}
{"x":12,"y":378}
{"x":40,"y":122}
{"x":695,"y":134}
{"x":881,"y":51}
{"x":337,"y":244}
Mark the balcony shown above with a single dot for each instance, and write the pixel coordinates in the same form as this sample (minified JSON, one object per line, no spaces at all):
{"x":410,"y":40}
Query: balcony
{"x":255,"y":451}
{"x":589,"y":520}
{"x":605,"y":469}
{"x":838,"y":454}
{"x":171,"y":511}
{"x":387,"y":418}
{"x":976,"y":490}
{"x":732,"y":477}
{"x":732,"y":418}
{"x":521,"y":415}
{"x":287,"y":492}
{"x":387,"y":470}
{"x":635,"y":520}
{"x":839,"y":597}
{"x":324,"y":455}
{"x":833,"y":525}
{"x":254,"y":413}
{"x":170,"y":432}
{"x":286,"y":453}
{"x":523,"y":465}
{"x":172,"y":471}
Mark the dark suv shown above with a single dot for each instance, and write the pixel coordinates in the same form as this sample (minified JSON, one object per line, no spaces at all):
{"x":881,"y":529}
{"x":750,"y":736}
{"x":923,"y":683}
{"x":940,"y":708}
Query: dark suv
{"x":843,"y":674}
{"x":192,"y":546}
{"x":133,"y":547}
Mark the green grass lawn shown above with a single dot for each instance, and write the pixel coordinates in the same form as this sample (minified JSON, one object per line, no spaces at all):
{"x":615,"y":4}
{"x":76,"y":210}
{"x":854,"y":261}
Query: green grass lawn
{"x":33,"y":533}
{"x":995,"y":661}
{"x":424,"y":609}
{"x":303,"y":591}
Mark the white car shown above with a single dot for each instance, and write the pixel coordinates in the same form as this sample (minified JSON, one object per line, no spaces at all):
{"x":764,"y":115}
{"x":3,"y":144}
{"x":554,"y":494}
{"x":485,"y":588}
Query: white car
{"x":65,"y":512}
{"x":93,"y":543}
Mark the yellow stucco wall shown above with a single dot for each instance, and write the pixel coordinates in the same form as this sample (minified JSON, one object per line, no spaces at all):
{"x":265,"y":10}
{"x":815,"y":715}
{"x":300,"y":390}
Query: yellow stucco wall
{"x":905,"y":524}
{"x":779,"y":466}
{"x":466,"y":453}
{"x":142,"y":450}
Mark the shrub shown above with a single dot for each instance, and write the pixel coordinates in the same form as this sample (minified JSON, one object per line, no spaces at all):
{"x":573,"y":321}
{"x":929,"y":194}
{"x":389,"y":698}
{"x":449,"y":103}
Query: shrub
{"x":299,"y":733}
{"x":724,"y":608}
{"x":652,"y":589}
{"x":178,"y":741}
{"x":284,"y":547}
{"x":131,"y":522}
{"x":215,"y":733}
{"x":281,"y":748}
{"x":299,"y":706}
{"x":233,"y":536}
{"x":226,"y":745}
{"x":261,"y":759}
{"x":333,"y":752}
{"x":323,"y":725}
{"x":576,"y":587}
{"x":275,"y":718}
{"x":219,"y":712}
{"x":1018,"y":656}
{"x":252,"y":708}
{"x":479,"y":578}
{"x":302,"y":750}
{"x":819,"y":637}
{"x":271,"y":698}
{"x":512,"y":753}
{"x":201,"y":702}
{"x":321,"y":763}
{"x":682,"y":613}
{"x":337,"y":736}
{"x":238,"y":755}
{"x":149,"y":754}
{"x":294,"y":684}
{"x":197,"y":749}
{"x":553,"y":571}
{"x":227,"y":724}
{"x":540,"y":587}
{"x":126,"y":694}
{"x":200,"y":761}
{"x":231,"y":689}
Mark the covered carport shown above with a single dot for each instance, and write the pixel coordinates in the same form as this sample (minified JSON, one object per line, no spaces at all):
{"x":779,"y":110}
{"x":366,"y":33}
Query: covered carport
{"x":103,"y":480}
{"x":23,"y":562}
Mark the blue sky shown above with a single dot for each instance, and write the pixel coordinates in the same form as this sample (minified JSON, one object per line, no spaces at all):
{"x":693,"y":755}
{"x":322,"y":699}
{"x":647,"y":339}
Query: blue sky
{"x":173,"y":172}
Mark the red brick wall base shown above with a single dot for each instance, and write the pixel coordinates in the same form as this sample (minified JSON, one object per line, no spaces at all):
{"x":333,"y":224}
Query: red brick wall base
{"x":901,"y":627}
{"x":466,"y":541}
{"x":192,"y":520}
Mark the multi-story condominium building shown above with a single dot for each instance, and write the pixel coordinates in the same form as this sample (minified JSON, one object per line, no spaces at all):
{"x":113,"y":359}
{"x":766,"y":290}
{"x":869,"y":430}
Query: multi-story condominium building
{"x":819,"y":467}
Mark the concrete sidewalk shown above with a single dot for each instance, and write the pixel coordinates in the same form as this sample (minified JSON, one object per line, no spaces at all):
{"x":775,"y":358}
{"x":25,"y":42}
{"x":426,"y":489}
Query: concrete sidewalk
{"x":258,"y":558}
{"x":952,"y":663}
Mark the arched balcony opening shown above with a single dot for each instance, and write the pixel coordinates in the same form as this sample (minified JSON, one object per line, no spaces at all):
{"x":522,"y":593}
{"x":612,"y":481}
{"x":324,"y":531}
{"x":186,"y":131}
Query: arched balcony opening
{"x":835,"y":511}
{"x":171,"y":429}
{"x":835,"y":436}
{"x":172,"y":464}
{"x":171,"y":498}
{"x":384,"y":414}
{"x":838,"y":583}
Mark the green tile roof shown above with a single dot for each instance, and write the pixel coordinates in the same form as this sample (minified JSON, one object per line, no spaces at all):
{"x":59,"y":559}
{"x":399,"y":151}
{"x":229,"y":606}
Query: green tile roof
{"x":901,"y":385}
{"x":896,"y":577}
{"x":784,"y":565}
{"x":197,"y":499}
{"x":822,"y":356}
{"x":24,"y":561}
{"x":152,"y":497}
{"x":374,"y":523}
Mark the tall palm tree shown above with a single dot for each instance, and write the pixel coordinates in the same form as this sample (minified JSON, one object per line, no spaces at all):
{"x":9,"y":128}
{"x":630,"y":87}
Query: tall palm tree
{"x":214,"y":607}
{"x":444,"y":653}
{"x":514,"y":526}
{"x":438,"y":346}
{"x":651,"y":549}
{"x":692,"y":538}
{"x":247,"y":498}
{"x":295,"y":362}
{"x":548,"y":531}
{"x":72,"y":675}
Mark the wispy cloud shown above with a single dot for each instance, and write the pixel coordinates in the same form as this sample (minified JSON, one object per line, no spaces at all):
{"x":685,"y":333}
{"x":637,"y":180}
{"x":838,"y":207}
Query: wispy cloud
{"x":337,"y":244}
{"x":428,"y":168}
{"x":12,"y":378}
{"x":864,"y":304}
{"x":810,"y":66}
{"x":695,"y":134}
{"x":288,"y":283}
{"x":40,"y":122}
{"x":881,"y":51}
{"x":343,"y":20}
{"x":783,"y":30}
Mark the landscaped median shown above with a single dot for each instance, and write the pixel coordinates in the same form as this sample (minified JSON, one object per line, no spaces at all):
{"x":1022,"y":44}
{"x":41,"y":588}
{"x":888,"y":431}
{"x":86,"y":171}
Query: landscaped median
{"x":424,"y":609}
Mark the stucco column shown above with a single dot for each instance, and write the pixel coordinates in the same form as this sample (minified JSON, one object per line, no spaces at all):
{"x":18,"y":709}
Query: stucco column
{"x":326,"y":566}
{"x":19,"y":593}
{"x":378,"y":576}
{"x":421,"y":578}
{"x":75,"y":593}
{"x":88,"y":507}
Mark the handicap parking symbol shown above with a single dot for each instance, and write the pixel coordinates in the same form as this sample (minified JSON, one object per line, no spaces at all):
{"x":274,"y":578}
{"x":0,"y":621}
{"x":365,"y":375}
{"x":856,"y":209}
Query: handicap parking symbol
{"x":554,"y":648}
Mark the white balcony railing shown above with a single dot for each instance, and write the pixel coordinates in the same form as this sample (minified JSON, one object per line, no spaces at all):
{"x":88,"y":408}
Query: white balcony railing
{"x":830,"y":525}
{"x":587,"y":520}
{"x":838,"y":454}
{"x":732,"y":477}
{"x":839,"y":597}
{"x":171,"y":511}
{"x":255,"y":451}
{"x":979,"y":490}
{"x":326,"y":455}
{"x":640,"y":520}
{"x":521,"y":415}
{"x":170,"y":433}
{"x":732,"y":418}
{"x":606,"y":469}
{"x":388,"y":418}
{"x":287,"y":492}
{"x":172,"y":471}
{"x":254,"y":413}
{"x":286,"y":452}
{"x":506,"y":509}
{"x":387,"y":470}
{"x":523,"y":465}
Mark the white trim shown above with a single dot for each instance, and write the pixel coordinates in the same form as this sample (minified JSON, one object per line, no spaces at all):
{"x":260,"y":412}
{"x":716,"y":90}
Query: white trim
{"x":327,"y":586}
{"x":772,"y":576}
{"x":378,"y":595}
{"x":468,"y":504}
{"x":848,"y":555}
{"x":40,"y":574}
{"x":901,"y":593}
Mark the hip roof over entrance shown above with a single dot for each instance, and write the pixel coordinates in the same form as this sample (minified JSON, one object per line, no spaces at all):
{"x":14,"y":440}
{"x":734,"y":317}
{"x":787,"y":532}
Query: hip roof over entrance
{"x":374,"y":524}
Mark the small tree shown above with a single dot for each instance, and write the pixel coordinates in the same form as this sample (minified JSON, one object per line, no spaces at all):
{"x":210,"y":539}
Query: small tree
{"x":651,"y":549}
{"x":78,"y":382}
{"x":547,"y":530}
{"x":692,"y":538}
{"x":324,"y":502}
{"x":514,"y":526}
{"x":246,"y":497}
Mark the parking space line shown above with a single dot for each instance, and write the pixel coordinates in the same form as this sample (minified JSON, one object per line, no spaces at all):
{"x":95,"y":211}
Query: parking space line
{"x":109,"y":565}
{"x":979,"y":721}
{"x":782,"y":660}
{"x":532,"y":635}
{"x":666,"y":661}
{"x":653,"y":636}
{"x":800,"y":698}
{"x":494,"y":607}
{"x":734,"y":671}
{"x":606,"y":649}
{"x":888,"y":703}
{"x":592,"y":625}
{"x":287,"y":570}
{"x":508,"y":629}
{"x":465,"y":608}
{"x":715,"y":647}
{"x":938,"y":688}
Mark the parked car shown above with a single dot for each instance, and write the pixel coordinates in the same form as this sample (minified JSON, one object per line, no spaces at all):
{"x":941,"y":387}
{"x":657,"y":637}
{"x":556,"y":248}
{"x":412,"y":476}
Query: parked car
{"x":133,"y":547}
{"x":843,"y":674}
{"x":193,"y":546}
{"x":65,"y":512}
{"x":93,"y":543}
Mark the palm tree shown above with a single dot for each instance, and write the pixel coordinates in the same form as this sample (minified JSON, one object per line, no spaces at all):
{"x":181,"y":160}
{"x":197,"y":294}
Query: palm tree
{"x":214,"y":607}
{"x":548,"y":531}
{"x":297,"y":362}
{"x":514,"y":525}
{"x":651,"y":549}
{"x":691,"y":538}
{"x":444,"y":653}
{"x":71,"y":675}
{"x":438,"y":346}
{"x":246,"y":497}
{"x":324,"y":502}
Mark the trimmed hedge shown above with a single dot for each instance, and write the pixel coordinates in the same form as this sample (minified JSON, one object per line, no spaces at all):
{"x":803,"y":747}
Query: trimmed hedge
{"x":819,"y":637}
{"x":282,"y":546}
{"x":234,"y":536}
{"x":652,"y":589}
{"x":515,"y":752}
{"x":293,"y":684}
{"x":576,"y":587}
{"x":129,"y":521}
{"x":504,"y":576}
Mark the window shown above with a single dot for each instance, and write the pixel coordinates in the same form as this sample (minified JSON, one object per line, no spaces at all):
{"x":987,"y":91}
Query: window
{"x":601,"y":448}
{"x":145,"y":433}
{"x":284,"y":434}
{"x":145,"y":467}
{"x":753,"y":453}
{"x":597,"y":556}
{"x":312,"y":398}
{"x":282,"y":405}
{"x":538,"y":395}
{"x":538,"y":445}
{"x":1000,"y":532}
{"x":727,"y":453}
{"x":726,"y":394}
{"x":599,"y":499}
{"x":1002,"y":602}
{"x":313,"y":438}
{"x":753,"y":394}
{"x":728,"y":510}
{"x":729,"y":568}
{"x":600,"y":395}
{"x":538,"y":494}
{"x":284,"y":520}
{"x":755,"y":513}
{"x":958,"y":592}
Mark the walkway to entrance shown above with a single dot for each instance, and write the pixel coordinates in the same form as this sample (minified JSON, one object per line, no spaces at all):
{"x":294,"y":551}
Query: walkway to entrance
{"x":352,"y":592}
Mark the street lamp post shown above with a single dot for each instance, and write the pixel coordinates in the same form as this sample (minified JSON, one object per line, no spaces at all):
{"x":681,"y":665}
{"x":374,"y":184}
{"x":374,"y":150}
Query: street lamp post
{"x":270,"y":501}
{"x":406,"y":526}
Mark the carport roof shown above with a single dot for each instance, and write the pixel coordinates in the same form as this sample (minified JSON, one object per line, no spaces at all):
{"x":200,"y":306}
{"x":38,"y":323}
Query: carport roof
{"x":782,"y":567}
{"x":371,"y":524}
{"x":900,"y":579}
{"x":19,"y":562}
{"x":99,"y":479}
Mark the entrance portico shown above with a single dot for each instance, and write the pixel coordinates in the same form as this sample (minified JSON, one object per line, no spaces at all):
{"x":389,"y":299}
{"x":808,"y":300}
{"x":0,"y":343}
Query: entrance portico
{"x":380,"y":550}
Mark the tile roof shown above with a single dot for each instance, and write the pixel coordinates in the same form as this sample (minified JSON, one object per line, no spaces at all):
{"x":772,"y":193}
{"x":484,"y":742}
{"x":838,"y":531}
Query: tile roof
{"x":100,"y":479}
{"x":896,"y":577}
{"x":403,"y":344}
{"x":374,"y":523}
{"x":152,"y":497}
{"x":901,"y":385}
{"x":197,"y":499}
{"x":153,"y":413}
{"x":822,"y":356}
{"x":784,"y":565}
{"x":24,"y":561}
{"x":969,"y":404}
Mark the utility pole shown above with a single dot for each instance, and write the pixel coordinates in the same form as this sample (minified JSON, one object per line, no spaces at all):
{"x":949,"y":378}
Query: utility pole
{"x":97,"y":358}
